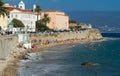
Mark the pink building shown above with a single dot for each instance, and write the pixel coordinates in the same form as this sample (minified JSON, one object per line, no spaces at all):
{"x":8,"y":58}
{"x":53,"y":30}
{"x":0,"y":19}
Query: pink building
{"x":58,"y":19}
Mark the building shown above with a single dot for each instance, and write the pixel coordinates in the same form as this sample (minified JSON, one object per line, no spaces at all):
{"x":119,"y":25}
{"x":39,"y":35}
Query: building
{"x":58,"y":19}
{"x":27,"y":16}
{"x":3,"y":22}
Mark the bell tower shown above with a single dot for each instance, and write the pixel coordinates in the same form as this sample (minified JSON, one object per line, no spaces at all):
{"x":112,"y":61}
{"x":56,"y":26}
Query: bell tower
{"x":21,"y":5}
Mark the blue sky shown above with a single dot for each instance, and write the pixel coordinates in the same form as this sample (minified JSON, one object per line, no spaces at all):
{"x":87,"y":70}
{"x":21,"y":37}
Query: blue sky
{"x":73,"y":5}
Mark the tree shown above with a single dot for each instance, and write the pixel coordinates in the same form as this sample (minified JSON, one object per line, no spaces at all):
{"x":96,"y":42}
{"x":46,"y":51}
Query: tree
{"x":3,"y":10}
{"x":37,"y":10}
{"x":0,"y":28}
{"x":45,"y":19}
{"x":41,"y":24}
{"x":17,"y":23}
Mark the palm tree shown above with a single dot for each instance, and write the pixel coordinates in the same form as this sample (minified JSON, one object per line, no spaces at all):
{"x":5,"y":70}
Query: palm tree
{"x":3,"y":10}
{"x":37,"y":10}
{"x":46,"y":19}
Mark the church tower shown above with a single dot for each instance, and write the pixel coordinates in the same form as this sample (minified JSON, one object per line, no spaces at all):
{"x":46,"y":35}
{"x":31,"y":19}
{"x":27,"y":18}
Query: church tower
{"x":21,"y":5}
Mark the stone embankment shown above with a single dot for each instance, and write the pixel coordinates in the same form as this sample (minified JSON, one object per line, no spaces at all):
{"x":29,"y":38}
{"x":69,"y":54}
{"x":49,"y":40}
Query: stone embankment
{"x":84,"y":35}
{"x":7,"y":42}
{"x":16,"y":51}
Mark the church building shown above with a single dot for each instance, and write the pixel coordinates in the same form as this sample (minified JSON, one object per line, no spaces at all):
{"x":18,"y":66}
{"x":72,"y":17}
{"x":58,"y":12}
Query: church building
{"x":58,"y":19}
{"x":27,"y":16}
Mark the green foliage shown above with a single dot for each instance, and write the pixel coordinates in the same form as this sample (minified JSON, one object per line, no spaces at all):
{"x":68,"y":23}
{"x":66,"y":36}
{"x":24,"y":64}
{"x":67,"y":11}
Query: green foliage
{"x":41,"y":27}
{"x":3,"y":10}
{"x":0,"y":28}
{"x":72,"y":21}
{"x":71,"y":27}
{"x":45,"y":19}
{"x":38,"y":9}
{"x":17,"y":23}
{"x":74,"y":27}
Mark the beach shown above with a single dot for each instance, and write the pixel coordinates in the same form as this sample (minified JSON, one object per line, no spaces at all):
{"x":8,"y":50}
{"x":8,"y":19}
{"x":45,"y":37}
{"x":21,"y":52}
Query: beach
{"x":69,"y":59}
{"x":19,"y":51}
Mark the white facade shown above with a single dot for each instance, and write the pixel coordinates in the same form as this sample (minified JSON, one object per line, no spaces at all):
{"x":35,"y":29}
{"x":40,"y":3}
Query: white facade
{"x":28,"y":18}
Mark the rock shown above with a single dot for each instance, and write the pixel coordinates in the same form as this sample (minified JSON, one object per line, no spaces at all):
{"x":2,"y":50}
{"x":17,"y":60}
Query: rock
{"x":88,"y":63}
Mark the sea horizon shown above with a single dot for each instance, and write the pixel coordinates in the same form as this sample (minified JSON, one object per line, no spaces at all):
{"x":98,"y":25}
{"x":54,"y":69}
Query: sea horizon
{"x":105,"y":21}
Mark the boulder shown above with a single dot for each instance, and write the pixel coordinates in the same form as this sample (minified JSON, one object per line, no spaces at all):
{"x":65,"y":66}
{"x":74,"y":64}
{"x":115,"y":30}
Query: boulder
{"x":88,"y":63}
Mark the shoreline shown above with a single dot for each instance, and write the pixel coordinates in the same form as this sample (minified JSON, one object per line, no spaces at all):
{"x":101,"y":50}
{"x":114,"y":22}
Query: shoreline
{"x":42,"y":42}
{"x":12,"y":63}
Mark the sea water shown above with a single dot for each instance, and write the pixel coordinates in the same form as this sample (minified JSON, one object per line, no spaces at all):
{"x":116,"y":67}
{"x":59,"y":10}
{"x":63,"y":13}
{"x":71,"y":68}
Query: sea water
{"x":66,"y":60}
{"x":106,"y":21}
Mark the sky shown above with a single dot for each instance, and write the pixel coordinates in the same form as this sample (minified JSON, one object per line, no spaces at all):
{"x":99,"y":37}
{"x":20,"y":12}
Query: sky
{"x":72,"y":5}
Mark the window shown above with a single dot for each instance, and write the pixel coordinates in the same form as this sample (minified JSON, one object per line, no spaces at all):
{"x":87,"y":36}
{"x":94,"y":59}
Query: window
{"x":11,"y":15}
{"x":16,"y":15}
{"x":8,"y":16}
{"x":20,"y":6}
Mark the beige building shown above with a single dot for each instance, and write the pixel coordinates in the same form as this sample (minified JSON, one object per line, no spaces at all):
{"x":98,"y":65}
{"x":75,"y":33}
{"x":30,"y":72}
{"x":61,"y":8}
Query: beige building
{"x":58,"y":19}
{"x":3,"y":22}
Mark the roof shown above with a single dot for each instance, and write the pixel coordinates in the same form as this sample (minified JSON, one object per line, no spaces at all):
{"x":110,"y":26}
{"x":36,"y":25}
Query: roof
{"x":51,"y":11}
{"x":28,"y":10}
{"x":12,"y":8}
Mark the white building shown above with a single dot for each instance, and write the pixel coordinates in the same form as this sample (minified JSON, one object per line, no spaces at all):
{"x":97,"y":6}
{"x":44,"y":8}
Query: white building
{"x":28,"y":17}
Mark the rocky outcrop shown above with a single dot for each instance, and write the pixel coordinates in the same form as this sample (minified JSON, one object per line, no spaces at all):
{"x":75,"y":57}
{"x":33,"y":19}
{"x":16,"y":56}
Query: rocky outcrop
{"x":89,"y":63}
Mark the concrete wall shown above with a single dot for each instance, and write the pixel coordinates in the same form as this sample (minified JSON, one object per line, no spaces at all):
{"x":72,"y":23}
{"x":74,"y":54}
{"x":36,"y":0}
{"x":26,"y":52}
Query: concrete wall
{"x":6,"y":45}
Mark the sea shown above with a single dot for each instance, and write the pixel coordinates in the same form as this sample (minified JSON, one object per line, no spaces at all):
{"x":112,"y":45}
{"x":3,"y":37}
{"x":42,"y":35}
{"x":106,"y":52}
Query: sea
{"x":105,"y":21}
{"x":67,"y":59}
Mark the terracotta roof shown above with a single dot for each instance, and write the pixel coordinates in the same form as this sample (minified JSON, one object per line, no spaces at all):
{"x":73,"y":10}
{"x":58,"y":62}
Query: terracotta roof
{"x":51,"y":11}
{"x":12,"y":8}
{"x":27,"y":10}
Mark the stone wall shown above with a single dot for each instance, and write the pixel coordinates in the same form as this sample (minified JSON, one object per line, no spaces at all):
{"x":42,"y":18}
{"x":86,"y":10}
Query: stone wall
{"x":88,"y":35}
{"x":6,"y":45}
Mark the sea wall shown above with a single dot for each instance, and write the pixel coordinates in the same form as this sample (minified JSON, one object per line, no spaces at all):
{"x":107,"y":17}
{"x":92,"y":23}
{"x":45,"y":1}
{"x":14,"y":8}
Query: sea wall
{"x":83,"y":35}
{"x":6,"y":45}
